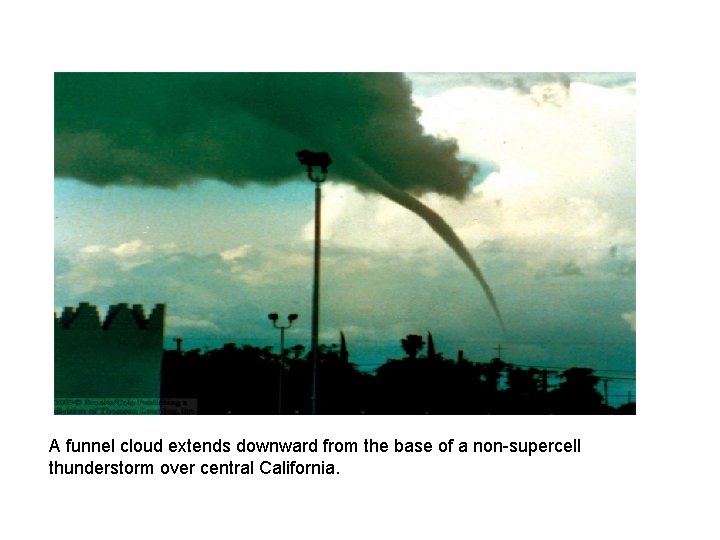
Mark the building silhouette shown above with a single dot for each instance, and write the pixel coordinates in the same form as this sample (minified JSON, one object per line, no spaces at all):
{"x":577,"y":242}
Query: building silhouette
{"x":118,"y":357}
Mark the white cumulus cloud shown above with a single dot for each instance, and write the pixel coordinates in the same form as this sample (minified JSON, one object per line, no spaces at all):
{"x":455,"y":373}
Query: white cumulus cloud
{"x":235,"y":253}
{"x":132,"y":248}
{"x":565,"y":188}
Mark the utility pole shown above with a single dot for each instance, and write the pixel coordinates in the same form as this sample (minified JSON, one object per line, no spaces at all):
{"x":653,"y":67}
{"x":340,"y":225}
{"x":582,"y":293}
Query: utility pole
{"x":316,"y":299}
{"x":499,"y":350}
{"x":274,"y":318}
{"x":322,"y":160}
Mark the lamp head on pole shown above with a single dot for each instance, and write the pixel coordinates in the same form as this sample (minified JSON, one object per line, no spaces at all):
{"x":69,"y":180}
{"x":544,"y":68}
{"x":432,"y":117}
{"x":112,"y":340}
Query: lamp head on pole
{"x":314,"y":159}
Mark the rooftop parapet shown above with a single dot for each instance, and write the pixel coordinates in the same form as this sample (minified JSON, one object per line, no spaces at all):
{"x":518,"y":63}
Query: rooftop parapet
{"x":119,"y":316}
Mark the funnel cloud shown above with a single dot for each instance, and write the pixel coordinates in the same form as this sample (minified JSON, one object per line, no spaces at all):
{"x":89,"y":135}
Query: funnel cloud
{"x":168,"y":129}
{"x":441,"y":227}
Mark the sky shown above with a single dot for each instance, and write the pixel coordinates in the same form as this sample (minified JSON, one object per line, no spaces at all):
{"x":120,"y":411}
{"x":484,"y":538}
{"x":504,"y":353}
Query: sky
{"x":197,"y":201}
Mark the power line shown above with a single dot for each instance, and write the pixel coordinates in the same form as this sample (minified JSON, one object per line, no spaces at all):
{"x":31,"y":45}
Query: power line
{"x":582,"y":367}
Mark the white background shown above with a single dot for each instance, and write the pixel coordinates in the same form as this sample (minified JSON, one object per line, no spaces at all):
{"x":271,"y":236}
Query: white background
{"x":649,"y":475}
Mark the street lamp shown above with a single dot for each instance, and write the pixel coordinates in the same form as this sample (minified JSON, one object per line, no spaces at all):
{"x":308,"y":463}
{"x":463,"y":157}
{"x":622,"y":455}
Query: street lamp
{"x":322,"y":160}
{"x":274,"y":318}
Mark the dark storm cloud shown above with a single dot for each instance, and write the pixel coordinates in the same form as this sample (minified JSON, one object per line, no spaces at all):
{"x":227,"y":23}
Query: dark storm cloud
{"x":164,"y":129}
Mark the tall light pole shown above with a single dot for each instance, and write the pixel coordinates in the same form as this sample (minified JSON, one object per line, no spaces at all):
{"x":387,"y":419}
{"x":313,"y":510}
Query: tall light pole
{"x":274,"y":318}
{"x":322,"y":160}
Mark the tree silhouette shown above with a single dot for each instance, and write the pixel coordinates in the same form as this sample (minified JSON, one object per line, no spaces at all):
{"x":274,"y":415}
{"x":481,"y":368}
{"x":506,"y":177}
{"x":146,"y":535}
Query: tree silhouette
{"x":492,"y":373}
{"x":297,"y":351}
{"x":523,"y":393}
{"x":412,"y":344}
{"x":577,"y":394}
{"x":246,"y":380}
